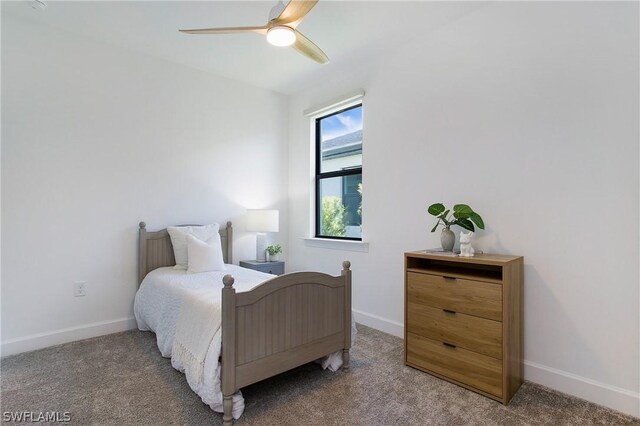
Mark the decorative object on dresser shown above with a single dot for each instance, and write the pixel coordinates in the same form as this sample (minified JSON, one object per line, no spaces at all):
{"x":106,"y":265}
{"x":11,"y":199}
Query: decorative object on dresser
{"x":274,"y":268}
{"x":273,"y":252}
{"x":262,"y":221}
{"x":465,"y":244}
{"x":462,"y":215}
{"x":463,"y":320}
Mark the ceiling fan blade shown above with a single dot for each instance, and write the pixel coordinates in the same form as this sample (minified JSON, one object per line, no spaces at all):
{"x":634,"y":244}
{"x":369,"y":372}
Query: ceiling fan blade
{"x":308,"y":48}
{"x":294,"y":12}
{"x":228,"y":30}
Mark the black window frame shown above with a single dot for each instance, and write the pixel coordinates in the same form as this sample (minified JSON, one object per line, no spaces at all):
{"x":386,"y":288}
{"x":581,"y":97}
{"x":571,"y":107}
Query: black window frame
{"x":319,"y":175}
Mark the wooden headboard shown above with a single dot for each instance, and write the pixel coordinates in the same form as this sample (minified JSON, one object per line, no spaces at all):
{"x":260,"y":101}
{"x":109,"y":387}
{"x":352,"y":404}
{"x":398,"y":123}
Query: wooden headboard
{"x":155,"y":249}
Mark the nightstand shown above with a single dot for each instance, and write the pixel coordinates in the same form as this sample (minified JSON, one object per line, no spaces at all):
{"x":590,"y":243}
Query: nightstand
{"x":275,"y":268}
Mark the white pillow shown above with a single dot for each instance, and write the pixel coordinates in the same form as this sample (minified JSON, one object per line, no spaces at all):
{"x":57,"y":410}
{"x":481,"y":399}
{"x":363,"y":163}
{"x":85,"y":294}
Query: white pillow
{"x":205,"y":256}
{"x":178,"y":236}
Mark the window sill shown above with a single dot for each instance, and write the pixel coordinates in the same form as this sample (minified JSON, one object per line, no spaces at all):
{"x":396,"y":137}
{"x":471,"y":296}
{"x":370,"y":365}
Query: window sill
{"x":346,"y":245}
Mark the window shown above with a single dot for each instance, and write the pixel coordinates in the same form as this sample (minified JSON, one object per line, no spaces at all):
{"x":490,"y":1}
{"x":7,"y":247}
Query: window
{"x":338,"y":141}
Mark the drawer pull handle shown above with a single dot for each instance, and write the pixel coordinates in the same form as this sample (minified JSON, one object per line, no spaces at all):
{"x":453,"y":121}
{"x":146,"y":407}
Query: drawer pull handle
{"x":449,"y":345}
{"x":449,"y":311}
{"x":449,"y":278}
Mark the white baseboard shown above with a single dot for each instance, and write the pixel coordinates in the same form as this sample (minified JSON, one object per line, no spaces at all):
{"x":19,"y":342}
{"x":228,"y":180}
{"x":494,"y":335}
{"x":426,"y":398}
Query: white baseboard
{"x":57,"y":337}
{"x":616,"y":398}
{"x":600,"y":393}
{"x":379,"y":323}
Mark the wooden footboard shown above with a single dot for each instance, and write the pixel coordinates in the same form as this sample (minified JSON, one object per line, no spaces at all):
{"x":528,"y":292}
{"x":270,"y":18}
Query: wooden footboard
{"x":283,"y":323}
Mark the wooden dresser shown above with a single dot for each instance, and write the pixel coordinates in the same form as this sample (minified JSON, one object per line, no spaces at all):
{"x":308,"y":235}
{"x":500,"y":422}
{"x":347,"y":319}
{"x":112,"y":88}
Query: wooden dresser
{"x":463,"y":320}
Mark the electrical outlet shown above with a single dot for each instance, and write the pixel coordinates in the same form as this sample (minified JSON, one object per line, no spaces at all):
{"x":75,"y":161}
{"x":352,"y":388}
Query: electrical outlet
{"x":80,"y":288}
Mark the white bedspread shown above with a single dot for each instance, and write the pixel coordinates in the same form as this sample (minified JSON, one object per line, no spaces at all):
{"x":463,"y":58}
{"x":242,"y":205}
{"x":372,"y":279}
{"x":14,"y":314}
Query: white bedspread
{"x":157,"y":308}
{"x":199,"y":321}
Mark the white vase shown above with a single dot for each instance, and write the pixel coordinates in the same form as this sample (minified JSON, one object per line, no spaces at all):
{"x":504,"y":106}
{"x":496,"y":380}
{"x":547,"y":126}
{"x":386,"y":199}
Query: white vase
{"x":447,"y":239}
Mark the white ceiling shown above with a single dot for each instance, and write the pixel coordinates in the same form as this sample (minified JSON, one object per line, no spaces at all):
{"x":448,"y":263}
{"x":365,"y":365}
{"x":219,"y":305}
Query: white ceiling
{"x":349,"y":32}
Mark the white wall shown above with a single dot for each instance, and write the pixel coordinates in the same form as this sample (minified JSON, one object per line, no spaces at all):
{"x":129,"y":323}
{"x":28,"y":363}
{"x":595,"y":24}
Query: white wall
{"x":529,"y":113}
{"x":95,"y":139}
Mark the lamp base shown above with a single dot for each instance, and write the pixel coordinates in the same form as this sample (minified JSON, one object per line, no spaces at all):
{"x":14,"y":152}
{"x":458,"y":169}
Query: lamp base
{"x":261,"y":247}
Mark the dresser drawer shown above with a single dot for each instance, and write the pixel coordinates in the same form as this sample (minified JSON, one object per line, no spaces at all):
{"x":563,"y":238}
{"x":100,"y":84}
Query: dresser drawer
{"x":473,"y":369}
{"x":476,"y":334}
{"x":475,"y":298}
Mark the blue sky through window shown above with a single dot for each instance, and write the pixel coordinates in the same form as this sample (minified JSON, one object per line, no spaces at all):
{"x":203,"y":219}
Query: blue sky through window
{"x":341,"y":124}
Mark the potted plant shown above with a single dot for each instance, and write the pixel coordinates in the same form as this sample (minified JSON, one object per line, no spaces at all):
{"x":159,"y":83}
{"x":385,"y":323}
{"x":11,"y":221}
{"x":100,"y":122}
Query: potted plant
{"x":462,"y":215}
{"x":273,"y":252}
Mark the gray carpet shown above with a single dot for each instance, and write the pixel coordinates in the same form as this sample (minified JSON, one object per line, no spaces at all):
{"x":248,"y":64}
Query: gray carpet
{"x":121,"y":379}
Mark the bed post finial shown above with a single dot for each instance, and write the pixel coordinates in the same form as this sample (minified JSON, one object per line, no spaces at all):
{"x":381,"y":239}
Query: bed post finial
{"x":346,"y":265}
{"x":229,"y":224}
{"x":228,"y":281}
{"x":142,"y":225}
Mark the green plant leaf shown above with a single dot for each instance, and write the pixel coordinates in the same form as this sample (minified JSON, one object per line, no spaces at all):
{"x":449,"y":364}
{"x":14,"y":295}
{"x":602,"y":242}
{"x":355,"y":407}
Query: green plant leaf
{"x":435,"y":227}
{"x":466,"y":224}
{"x":462,"y":209}
{"x":274,"y":249}
{"x":475,"y":217}
{"x":436,"y":209}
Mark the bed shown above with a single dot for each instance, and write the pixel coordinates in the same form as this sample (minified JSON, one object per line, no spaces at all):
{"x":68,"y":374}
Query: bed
{"x":279,"y":324}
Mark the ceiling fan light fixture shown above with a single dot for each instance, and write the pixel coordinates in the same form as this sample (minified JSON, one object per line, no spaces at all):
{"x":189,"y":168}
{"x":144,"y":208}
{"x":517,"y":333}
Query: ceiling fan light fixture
{"x":280,"y":30}
{"x":281,"y":36}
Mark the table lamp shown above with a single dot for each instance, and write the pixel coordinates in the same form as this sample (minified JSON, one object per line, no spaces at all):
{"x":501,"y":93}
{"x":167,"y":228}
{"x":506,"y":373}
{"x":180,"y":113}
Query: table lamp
{"x":262,"y":221}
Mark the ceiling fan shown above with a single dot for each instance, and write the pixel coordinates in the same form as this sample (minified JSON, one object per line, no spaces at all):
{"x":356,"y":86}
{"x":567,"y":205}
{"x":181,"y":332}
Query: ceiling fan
{"x":281,"y":29}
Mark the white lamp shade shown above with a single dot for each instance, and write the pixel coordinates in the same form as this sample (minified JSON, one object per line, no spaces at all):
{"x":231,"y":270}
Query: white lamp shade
{"x":263,"y":220}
